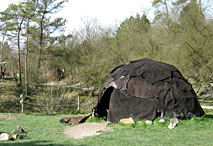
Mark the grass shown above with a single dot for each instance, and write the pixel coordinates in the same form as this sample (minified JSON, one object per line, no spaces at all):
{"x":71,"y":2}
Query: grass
{"x":95,"y":119}
{"x":47,"y":130}
{"x":207,"y":101}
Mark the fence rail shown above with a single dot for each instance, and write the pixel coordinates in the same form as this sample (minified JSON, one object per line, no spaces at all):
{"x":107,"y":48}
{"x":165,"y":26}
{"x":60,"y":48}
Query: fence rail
{"x":47,"y":99}
{"x":56,"y":98}
{"x":50,"y":105}
{"x":25,"y":101}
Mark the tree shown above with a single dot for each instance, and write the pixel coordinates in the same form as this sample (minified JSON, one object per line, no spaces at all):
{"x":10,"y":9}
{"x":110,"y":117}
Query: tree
{"x":133,"y":38}
{"x":3,"y":31}
{"x":31,"y":19}
{"x":18,"y":18}
{"x":196,"y":40}
{"x":181,"y":2}
{"x":28,"y":9}
{"x":164,"y":3}
{"x":8,"y":58}
{"x":15,"y":19}
{"x":162,"y":15}
{"x":6,"y":53}
{"x":45,"y":25}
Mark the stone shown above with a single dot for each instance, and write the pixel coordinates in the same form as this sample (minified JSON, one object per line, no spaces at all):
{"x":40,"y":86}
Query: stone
{"x":4,"y":136}
{"x":173,"y":122}
{"x":148,"y":122}
{"x":127,"y":121}
{"x":161,"y":120}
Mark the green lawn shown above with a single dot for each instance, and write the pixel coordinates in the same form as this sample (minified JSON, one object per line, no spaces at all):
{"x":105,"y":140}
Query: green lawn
{"x":47,"y":130}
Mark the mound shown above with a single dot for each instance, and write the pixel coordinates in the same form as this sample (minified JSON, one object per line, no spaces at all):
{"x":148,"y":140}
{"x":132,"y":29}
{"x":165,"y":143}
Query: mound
{"x":145,"y":89}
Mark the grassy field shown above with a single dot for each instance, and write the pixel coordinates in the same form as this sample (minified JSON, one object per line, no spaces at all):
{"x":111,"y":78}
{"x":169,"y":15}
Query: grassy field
{"x":47,"y":130}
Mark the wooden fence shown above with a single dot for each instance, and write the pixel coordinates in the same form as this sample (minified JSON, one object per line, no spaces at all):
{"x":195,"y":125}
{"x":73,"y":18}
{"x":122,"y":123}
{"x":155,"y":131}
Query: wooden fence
{"x":51,"y":98}
{"x":49,"y":103}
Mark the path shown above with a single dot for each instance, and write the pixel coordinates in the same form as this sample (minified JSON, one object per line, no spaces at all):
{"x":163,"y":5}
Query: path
{"x":207,"y":106}
{"x":85,"y":129}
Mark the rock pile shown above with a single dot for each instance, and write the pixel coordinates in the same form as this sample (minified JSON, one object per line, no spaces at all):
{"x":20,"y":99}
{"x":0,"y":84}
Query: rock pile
{"x":17,"y":133}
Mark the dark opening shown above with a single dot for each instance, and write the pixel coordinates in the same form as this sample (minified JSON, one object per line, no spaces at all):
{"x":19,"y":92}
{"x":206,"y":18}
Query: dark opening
{"x":103,"y":104}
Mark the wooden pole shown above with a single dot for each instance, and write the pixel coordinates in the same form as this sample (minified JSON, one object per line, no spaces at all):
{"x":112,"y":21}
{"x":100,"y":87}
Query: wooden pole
{"x":78,"y":103}
{"x":22,"y":103}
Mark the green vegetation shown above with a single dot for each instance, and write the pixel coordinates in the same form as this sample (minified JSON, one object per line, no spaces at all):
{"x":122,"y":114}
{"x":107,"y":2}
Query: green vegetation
{"x":94,"y":119}
{"x":47,"y":130}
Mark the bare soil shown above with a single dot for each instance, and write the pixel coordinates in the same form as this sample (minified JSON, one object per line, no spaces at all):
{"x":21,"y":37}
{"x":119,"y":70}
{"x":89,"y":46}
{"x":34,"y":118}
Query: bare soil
{"x":85,"y":129}
{"x":7,"y":117}
{"x":207,"y":106}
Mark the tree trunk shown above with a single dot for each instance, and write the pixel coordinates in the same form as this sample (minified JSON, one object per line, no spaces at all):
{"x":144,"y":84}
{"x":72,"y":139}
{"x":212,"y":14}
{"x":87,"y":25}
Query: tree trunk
{"x":26,"y":58}
{"x":1,"y":49}
{"x":19,"y":56}
{"x":199,"y":5}
{"x":167,"y":10}
{"x":2,"y":43}
{"x":41,"y":45}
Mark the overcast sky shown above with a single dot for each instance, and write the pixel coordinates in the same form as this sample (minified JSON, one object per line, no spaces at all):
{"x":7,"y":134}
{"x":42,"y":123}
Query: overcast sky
{"x":107,"y":12}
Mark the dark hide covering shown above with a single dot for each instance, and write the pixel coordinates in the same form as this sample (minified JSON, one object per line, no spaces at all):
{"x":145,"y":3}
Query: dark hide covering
{"x":75,"y":120}
{"x":145,"y":89}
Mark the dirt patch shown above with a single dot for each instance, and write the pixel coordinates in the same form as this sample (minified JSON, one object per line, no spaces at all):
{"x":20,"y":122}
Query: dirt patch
{"x":86,"y":129}
{"x":8,"y":117}
{"x":207,"y":106}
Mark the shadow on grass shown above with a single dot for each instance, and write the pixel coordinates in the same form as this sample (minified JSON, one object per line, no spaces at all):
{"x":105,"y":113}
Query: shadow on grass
{"x":21,"y":143}
{"x":208,"y":116}
{"x":33,"y":143}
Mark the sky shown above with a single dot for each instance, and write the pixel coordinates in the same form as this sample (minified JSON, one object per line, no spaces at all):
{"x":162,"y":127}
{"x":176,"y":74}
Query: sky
{"x":106,"y":12}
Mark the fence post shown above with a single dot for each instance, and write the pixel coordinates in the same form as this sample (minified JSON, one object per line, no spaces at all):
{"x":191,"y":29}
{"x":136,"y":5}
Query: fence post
{"x":22,"y":103}
{"x":78,"y":103}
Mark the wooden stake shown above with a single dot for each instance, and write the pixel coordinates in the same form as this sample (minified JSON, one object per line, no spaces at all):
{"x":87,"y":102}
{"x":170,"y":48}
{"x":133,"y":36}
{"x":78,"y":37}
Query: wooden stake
{"x":22,"y":103}
{"x":78,"y":103}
